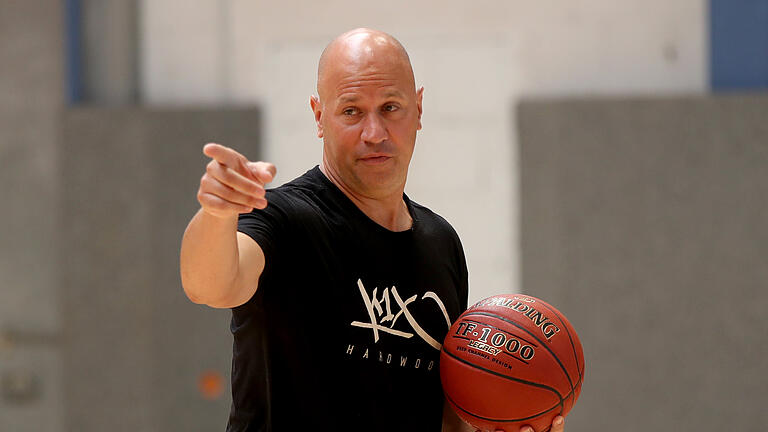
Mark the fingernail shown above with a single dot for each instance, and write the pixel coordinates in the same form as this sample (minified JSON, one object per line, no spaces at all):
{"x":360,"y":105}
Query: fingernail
{"x":558,"y":421}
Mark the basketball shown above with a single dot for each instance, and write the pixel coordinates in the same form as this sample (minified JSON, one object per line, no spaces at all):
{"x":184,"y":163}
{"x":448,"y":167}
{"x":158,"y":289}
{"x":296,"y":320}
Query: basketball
{"x":511,"y":360}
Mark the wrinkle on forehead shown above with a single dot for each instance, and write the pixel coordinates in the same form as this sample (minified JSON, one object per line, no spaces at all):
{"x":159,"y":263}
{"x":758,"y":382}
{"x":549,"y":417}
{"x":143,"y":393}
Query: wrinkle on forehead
{"x":361,"y":55}
{"x":369,"y":79}
{"x":351,"y":90}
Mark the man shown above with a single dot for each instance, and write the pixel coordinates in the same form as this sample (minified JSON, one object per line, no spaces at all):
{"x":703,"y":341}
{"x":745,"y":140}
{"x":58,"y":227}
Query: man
{"x":341,"y":287}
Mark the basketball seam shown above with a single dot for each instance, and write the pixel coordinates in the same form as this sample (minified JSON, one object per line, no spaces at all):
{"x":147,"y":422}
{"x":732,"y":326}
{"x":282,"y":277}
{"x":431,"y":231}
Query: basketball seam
{"x":502,"y":420}
{"x":579,"y":368}
{"x":567,"y":375}
{"x":573,"y":346}
{"x":531,"y":383}
{"x":560,"y":404}
{"x":521,"y":381}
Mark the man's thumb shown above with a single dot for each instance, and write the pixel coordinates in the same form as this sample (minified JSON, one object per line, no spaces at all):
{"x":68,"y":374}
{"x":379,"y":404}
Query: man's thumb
{"x":264,"y":172}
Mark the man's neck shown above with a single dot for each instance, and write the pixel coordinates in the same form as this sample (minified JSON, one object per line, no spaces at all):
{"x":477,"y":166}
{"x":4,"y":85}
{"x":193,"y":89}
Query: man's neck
{"x":389,"y":211}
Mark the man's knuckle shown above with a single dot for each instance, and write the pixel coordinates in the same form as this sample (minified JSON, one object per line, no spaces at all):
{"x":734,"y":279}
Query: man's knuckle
{"x":211,"y":166}
{"x":217,"y":204}
{"x":206,"y":200}
{"x":208,"y":184}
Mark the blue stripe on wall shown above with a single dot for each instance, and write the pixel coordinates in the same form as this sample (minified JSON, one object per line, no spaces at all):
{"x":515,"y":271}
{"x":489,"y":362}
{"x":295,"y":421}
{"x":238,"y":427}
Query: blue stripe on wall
{"x":738,"y":44}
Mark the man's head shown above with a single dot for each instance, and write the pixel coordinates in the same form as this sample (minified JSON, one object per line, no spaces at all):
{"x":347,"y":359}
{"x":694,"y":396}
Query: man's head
{"x":367,"y":112}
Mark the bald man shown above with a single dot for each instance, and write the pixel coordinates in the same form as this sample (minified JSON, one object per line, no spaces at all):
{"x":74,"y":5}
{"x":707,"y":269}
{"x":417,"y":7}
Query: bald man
{"x":341,"y":287}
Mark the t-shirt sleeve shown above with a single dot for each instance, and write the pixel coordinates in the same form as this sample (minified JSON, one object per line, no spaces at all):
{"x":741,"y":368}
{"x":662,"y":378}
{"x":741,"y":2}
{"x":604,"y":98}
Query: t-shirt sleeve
{"x":267,"y":226}
{"x":459,"y":263}
{"x":464,"y":277}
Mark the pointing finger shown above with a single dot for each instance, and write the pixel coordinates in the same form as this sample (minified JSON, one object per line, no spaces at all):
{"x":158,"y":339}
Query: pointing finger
{"x":234,"y":179}
{"x":227,"y":156}
{"x":219,"y":190}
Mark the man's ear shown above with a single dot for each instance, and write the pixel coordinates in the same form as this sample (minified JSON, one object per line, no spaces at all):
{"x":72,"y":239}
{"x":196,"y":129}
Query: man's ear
{"x":314,"y":103}
{"x":419,"y":96}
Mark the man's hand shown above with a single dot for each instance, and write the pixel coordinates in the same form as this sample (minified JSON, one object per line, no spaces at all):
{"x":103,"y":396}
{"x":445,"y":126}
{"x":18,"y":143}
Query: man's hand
{"x":231,"y":183}
{"x":452,"y":423}
{"x":220,"y":267}
{"x":558,"y":425}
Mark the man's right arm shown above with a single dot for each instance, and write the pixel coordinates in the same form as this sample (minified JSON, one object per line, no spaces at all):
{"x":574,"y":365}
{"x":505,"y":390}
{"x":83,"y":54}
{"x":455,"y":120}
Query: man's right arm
{"x":220,"y":267}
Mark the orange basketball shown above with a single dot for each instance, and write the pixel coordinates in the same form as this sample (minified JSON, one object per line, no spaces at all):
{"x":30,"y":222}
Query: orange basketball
{"x":511,"y":360}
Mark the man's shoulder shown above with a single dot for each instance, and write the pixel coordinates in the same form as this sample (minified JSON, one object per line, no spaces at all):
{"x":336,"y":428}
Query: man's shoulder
{"x":432,"y":222}
{"x":297,"y":191}
{"x":289,"y":205}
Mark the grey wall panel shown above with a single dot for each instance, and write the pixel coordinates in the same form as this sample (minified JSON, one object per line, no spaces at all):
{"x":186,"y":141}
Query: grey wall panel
{"x":644,"y":222}
{"x":28,"y":189}
{"x":197,"y":338}
{"x":107,"y":265}
{"x":31,"y":82}
{"x":31,"y":44}
{"x":135,"y":346}
{"x":31,"y":396}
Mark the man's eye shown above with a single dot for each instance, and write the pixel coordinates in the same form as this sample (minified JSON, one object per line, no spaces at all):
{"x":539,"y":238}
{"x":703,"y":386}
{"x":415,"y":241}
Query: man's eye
{"x":390,"y":107}
{"x":349,"y":111}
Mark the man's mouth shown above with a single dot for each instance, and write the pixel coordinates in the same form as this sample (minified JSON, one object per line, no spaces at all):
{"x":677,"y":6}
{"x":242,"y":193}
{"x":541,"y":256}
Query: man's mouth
{"x":375,"y":159}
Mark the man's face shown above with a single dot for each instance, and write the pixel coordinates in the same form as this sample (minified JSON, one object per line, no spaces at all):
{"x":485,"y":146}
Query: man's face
{"x":368,"y":116}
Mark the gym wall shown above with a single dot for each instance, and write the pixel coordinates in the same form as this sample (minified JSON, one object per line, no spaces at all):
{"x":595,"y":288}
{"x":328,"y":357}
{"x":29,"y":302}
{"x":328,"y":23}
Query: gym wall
{"x":643,"y":220}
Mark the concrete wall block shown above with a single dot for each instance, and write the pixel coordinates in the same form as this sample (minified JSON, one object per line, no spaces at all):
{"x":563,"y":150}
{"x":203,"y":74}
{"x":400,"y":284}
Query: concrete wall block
{"x":188,"y":340}
{"x":28,"y":245}
{"x":31,"y":49}
{"x":30,"y":388}
{"x":107,"y":178}
{"x":639,"y":221}
{"x":31,"y":85}
{"x":135,"y":346}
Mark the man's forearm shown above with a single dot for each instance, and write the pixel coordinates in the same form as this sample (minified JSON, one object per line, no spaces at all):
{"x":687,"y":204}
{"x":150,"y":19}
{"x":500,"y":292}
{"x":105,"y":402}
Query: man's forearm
{"x":209,"y":258}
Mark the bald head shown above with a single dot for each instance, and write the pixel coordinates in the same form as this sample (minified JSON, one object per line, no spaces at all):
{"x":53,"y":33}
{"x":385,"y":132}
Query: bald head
{"x":357,"y":50}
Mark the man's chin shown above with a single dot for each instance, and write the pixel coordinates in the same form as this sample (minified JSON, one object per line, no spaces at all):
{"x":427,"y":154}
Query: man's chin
{"x":381,"y":182}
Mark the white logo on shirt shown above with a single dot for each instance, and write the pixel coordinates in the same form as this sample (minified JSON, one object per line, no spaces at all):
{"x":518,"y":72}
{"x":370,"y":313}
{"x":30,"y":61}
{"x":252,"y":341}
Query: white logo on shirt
{"x":382,"y":319}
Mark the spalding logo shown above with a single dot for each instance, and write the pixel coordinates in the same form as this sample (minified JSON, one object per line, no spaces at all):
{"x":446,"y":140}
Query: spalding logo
{"x":517,"y":304}
{"x":492,"y":340}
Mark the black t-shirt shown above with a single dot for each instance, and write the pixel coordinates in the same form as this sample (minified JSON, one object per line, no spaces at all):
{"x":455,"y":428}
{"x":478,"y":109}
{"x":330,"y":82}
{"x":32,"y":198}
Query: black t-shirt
{"x":344,"y":330}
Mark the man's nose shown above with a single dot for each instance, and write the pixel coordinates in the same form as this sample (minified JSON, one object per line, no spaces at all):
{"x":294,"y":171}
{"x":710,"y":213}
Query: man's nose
{"x":374,"y":129}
